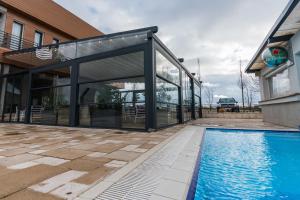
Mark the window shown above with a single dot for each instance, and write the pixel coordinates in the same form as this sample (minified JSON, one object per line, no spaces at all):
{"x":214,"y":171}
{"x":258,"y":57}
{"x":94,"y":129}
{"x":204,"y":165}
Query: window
{"x":197,"y":99}
{"x":113,"y":104}
{"x":51,"y":92}
{"x":167,"y":103}
{"x":187,"y":96}
{"x":52,"y":78}
{"x":17,"y":34}
{"x":112,"y":92}
{"x":55,"y":41}
{"x":166,"y":69}
{"x":13,"y":98}
{"x":38,"y":38}
{"x":280,"y":84}
{"x":51,"y":106}
{"x":127,"y":65}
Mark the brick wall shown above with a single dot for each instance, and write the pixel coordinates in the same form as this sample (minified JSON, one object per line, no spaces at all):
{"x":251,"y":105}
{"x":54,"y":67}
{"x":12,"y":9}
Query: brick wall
{"x":30,"y":26}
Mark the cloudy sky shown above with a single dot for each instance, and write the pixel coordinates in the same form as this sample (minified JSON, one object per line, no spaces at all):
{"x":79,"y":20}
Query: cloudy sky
{"x":218,"y":32}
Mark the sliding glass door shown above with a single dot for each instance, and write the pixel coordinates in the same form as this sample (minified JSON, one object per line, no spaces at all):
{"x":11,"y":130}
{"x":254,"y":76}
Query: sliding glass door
{"x":50,"y":97}
{"x":13,"y":98}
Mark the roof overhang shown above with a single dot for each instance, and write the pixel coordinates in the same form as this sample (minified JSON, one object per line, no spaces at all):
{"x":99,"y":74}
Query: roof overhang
{"x":66,"y":51}
{"x":286,"y":26}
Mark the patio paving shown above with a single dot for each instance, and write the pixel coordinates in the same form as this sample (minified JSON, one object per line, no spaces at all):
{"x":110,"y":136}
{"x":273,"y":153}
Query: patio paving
{"x":45,"y":162}
{"x":236,"y":123}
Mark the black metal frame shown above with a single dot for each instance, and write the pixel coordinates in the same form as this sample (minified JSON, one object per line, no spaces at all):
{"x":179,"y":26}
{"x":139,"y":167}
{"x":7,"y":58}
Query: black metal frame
{"x":149,"y":49}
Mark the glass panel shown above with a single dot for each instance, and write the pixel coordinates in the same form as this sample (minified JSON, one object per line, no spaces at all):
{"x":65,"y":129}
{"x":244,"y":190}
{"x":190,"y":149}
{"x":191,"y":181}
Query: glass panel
{"x":197,"y":106}
{"x":8,"y":99}
{"x":167,"y":103}
{"x":99,"y":45}
{"x":38,"y":39}
{"x":128,"y":65}
{"x":166,"y":69}
{"x":56,"y":77}
{"x":7,"y":69}
{"x":16,"y":38}
{"x":197,"y":90}
{"x":13,"y":98}
{"x":113,"y":104}
{"x":77,"y":49}
{"x":51,"y":106}
{"x":19,"y":102}
{"x":280,"y":84}
{"x":3,"y":82}
{"x":55,"y":41}
{"x":187,"y":96}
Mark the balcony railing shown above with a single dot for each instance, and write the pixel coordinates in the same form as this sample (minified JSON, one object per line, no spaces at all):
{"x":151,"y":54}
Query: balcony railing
{"x":13,"y":42}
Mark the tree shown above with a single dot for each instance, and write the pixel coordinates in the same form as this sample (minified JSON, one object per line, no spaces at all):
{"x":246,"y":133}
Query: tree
{"x":209,"y":93}
{"x":249,"y":85}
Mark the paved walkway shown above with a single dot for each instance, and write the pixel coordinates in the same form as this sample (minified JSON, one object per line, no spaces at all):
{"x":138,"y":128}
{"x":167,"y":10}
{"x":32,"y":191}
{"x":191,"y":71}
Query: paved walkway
{"x":41,"y":162}
{"x":54,"y":163}
{"x":236,"y":123}
{"x":165,"y":175}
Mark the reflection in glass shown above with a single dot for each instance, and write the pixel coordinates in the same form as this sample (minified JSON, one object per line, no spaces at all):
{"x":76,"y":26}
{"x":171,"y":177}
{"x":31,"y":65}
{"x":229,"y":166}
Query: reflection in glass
{"x":113,"y":104}
{"x":167,"y":103}
{"x":197,"y":107}
{"x":51,"y":106}
{"x":52,"y":78}
{"x":166,"y":69}
{"x":13,"y":98}
{"x":127,"y":65}
{"x":197,"y":99}
{"x":187,"y":96}
{"x":280,"y":84}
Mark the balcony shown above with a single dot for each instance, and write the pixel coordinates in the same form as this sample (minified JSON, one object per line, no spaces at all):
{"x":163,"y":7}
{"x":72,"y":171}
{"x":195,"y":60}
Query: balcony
{"x":13,"y":42}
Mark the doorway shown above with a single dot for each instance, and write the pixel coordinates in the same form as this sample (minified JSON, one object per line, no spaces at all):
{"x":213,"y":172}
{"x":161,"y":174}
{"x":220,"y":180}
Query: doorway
{"x":13,"y":99}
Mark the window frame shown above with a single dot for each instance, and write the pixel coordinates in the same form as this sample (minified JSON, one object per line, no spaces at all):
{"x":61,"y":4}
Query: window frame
{"x":55,"y":41}
{"x":41,"y":34}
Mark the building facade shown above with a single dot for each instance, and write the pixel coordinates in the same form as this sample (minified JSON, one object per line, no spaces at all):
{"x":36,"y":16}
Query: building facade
{"x":76,"y":76}
{"x":126,"y":80}
{"x":280,"y":85}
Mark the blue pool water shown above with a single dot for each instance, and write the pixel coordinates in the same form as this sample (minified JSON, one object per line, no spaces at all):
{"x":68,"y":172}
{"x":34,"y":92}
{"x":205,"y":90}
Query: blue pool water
{"x":239,"y":164}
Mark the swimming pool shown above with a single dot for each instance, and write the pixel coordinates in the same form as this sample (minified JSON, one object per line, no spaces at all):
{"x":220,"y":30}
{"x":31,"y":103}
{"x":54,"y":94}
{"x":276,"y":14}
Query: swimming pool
{"x":246,"y":164}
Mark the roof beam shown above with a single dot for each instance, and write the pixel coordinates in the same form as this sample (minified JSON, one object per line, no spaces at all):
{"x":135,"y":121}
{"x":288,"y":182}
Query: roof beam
{"x":282,"y":38}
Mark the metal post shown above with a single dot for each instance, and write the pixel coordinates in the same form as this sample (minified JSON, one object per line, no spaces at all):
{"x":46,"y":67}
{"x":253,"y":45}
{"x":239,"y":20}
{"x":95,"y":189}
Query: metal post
{"x":200,"y":114}
{"x":150,"y":84}
{"x":181,"y":115}
{"x":193,"y":99}
{"x":28,"y":107}
{"x":73,"y":114}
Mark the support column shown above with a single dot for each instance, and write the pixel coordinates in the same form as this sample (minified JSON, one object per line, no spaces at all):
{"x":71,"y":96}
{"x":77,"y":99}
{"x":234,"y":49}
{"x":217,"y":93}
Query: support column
{"x":181,"y":113}
{"x":150,"y":84}
{"x":193,"y":99}
{"x":28,"y":107}
{"x":73,"y":114}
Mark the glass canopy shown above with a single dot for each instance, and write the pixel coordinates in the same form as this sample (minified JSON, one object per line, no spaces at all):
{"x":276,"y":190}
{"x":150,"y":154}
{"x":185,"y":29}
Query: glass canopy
{"x":56,"y":53}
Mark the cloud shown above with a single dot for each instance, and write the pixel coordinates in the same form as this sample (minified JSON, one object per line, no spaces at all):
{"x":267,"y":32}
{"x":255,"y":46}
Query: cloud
{"x":218,"y":32}
{"x":210,"y":85}
{"x":220,"y":96}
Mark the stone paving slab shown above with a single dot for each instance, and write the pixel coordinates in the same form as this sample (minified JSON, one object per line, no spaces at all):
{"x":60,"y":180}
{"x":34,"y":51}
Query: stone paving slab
{"x":21,"y":179}
{"x":108,"y":147}
{"x":31,"y":195}
{"x":9,"y":161}
{"x":83,"y":165}
{"x":123,"y":155}
{"x":57,"y":181}
{"x":66,"y":153}
{"x":94,"y":175}
{"x":31,"y":155}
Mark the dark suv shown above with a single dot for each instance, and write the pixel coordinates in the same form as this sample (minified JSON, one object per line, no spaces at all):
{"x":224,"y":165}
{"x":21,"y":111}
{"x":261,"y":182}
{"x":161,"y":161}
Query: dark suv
{"x":228,"y":105}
